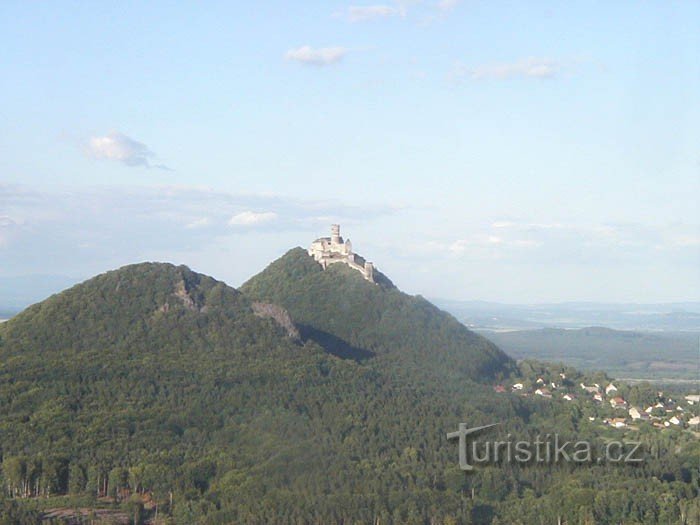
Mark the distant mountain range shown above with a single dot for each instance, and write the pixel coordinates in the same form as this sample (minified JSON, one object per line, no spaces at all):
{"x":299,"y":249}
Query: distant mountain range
{"x":683,"y":316}
{"x":18,"y":292}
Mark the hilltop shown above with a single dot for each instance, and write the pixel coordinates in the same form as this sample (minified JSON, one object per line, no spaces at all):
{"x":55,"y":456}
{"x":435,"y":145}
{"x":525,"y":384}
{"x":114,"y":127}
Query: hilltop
{"x":374,"y":318}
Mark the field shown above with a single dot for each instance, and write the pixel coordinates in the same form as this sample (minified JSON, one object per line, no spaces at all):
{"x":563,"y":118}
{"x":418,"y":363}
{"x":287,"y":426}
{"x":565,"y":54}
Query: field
{"x":624,"y":354}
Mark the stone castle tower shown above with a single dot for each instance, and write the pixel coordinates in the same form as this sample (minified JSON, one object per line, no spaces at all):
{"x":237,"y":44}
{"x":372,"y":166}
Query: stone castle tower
{"x":333,"y":249}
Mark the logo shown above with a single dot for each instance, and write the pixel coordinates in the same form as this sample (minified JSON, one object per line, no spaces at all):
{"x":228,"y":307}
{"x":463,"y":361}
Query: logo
{"x":547,"y":449}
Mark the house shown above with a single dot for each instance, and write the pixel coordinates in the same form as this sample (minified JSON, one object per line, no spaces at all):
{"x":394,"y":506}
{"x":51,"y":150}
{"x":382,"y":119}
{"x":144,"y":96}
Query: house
{"x":616,"y":422}
{"x":544,"y":392}
{"x":674,"y":420}
{"x":634,"y":413}
{"x":553,"y":385}
{"x":692,"y":399}
{"x":568,"y":397}
{"x":618,"y":402}
{"x":540,"y":381}
{"x":649,"y":409}
{"x":518,"y":386}
{"x":610,"y":388}
{"x":590,"y":389}
{"x":499,"y":388}
{"x":562,"y":375}
{"x":598,"y":398}
{"x":694,"y":421}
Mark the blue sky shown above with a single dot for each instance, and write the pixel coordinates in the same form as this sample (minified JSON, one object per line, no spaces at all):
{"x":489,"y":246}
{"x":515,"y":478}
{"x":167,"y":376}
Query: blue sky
{"x":472,"y":150}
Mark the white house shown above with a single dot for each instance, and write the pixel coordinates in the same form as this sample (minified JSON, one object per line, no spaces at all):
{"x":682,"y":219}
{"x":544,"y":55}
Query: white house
{"x":616,"y":422}
{"x":618,"y":402}
{"x":544,"y":392}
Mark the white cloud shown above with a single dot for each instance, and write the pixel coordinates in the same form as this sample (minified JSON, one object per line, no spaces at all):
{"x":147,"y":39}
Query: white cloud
{"x":577,"y":243}
{"x":8,"y":227}
{"x":118,"y":147}
{"x":526,"y":68}
{"x":528,"y":225}
{"x":251,"y":218}
{"x":372,"y":12}
{"x":480,"y":241}
{"x":201,"y":222}
{"x":7,"y":222}
{"x":447,"y":5}
{"x":685,"y":240}
{"x":322,"y":56}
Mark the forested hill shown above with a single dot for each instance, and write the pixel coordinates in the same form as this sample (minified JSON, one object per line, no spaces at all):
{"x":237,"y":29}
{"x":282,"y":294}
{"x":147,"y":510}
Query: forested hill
{"x":339,"y":305}
{"x":149,"y":308}
{"x":154,"y":390}
{"x":154,"y":382}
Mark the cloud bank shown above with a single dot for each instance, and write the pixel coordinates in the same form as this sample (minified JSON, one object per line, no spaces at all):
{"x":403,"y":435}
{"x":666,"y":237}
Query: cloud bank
{"x":42,"y":231}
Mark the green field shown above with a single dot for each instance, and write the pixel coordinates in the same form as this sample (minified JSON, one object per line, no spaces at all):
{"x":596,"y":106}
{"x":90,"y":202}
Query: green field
{"x":628,"y":354}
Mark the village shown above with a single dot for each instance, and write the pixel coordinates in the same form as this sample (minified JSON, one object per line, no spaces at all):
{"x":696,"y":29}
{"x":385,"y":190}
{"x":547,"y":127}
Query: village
{"x":608,"y":404}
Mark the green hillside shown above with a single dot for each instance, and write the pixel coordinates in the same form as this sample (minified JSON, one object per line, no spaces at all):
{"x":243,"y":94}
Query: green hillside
{"x":154,"y":390}
{"x":338,"y":304}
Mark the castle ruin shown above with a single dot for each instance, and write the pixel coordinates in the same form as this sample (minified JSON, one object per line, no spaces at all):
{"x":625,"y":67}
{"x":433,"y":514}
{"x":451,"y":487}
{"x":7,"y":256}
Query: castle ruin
{"x":333,"y":249}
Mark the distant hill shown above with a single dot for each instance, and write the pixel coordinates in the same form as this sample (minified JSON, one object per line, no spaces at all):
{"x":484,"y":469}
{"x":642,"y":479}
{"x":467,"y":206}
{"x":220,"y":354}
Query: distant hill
{"x":672,"y":317}
{"x":374,"y":319}
{"x":630,"y":354}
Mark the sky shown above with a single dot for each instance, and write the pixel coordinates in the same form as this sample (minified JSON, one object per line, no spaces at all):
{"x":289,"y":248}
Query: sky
{"x":502,"y":151}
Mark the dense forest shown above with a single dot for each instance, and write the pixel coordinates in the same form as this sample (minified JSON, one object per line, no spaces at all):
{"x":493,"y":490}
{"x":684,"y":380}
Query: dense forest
{"x":171,"y":397}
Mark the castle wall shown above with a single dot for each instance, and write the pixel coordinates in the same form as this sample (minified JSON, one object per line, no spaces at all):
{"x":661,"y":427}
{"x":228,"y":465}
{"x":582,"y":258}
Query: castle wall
{"x":331,"y":250}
